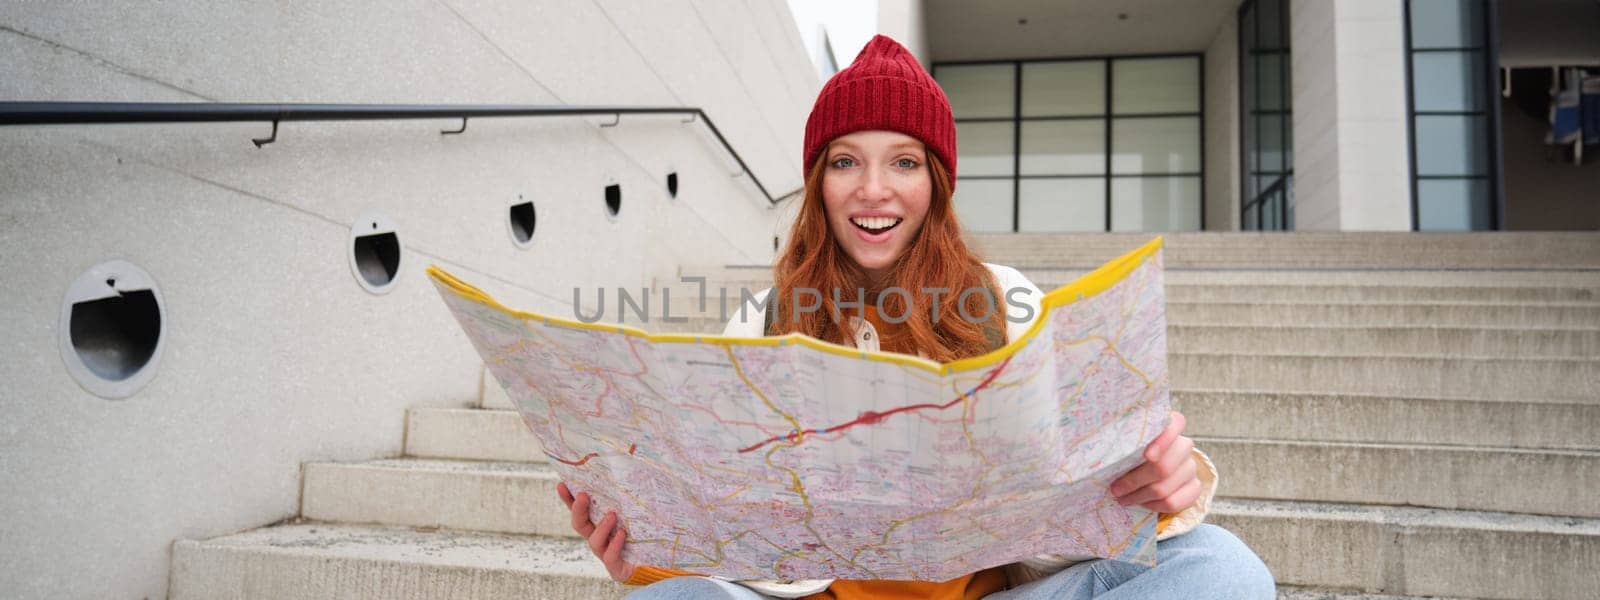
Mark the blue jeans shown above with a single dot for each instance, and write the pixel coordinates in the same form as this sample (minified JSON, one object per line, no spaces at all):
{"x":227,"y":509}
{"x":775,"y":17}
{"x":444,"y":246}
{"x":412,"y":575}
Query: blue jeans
{"x":1208,"y":562}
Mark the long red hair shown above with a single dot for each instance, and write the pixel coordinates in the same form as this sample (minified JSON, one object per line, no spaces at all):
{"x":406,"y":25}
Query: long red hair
{"x":938,"y":257}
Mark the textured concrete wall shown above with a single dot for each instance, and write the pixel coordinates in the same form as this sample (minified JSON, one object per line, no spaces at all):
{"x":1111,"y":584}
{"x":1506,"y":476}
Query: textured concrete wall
{"x":1352,"y":171}
{"x":1222,"y":129}
{"x":274,"y":355}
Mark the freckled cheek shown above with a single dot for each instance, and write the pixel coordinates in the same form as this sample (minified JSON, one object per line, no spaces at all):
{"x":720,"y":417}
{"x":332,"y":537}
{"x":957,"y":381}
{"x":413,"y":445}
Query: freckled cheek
{"x":919,"y":207}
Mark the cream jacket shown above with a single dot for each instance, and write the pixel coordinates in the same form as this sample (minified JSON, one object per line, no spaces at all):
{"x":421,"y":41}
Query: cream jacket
{"x":1022,"y":300}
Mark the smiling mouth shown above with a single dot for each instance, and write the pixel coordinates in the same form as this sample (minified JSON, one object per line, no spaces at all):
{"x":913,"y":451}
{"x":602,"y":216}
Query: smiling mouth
{"x":876,"y":225}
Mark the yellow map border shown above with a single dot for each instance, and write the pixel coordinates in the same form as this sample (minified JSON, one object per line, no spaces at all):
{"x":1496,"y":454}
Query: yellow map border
{"x":1093,"y":283}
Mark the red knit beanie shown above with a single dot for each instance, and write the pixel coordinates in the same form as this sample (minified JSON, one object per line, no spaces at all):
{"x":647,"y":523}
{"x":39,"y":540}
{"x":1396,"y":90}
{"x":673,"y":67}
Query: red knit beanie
{"x":885,"y":88}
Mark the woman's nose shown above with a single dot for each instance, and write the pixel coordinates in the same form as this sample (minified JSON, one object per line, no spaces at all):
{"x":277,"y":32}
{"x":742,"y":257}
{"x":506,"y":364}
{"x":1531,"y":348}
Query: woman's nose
{"x":874,"y":186}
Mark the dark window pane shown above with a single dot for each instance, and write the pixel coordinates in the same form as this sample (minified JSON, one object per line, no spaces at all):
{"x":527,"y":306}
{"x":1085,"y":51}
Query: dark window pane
{"x":1271,"y":37}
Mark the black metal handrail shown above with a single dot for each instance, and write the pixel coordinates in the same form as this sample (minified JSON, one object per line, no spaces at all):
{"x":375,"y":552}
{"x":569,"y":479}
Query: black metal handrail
{"x":1261,"y":200}
{"x":84,"y":113}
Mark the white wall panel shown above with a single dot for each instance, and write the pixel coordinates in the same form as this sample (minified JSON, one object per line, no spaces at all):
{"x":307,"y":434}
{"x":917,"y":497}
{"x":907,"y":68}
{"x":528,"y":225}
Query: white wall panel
{"x":275,"y":355}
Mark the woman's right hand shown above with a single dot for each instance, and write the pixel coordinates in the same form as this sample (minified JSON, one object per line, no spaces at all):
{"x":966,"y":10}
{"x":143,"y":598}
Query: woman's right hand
{"x":605,"y":538}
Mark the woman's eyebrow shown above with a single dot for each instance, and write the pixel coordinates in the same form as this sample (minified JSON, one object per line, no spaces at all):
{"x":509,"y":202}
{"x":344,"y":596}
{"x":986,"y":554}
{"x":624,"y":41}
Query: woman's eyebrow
{"x":892,"y":149}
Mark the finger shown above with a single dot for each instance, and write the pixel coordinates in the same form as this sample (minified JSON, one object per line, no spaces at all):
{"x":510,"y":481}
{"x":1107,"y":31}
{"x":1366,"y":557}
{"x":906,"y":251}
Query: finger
{"x":580,"y":515}
{"x":1150,"y":471}
{"x":623,"y":572}
{"x":602,"y":534}
{"x":613,"y":554}
{"x":565,"y":494}
{"x":1159,"y":446}
{"x":1178,"y":501}
{"x":1161,"y":489}
{"x":1161,"y":467}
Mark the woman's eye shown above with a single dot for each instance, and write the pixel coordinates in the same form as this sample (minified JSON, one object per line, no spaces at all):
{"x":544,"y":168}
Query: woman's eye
{"x":906,"y":163}
{"x":843,"y":162}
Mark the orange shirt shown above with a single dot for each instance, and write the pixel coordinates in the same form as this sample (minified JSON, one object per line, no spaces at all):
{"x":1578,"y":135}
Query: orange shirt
{"x":892,"y":337}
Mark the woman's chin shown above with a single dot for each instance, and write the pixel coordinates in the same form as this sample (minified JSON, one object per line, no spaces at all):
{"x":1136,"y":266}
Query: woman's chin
{"x":874,"y":262}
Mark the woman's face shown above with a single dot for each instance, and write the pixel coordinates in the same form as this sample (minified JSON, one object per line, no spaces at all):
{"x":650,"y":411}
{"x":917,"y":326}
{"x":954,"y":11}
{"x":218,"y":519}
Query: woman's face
{"x":876,"y":188}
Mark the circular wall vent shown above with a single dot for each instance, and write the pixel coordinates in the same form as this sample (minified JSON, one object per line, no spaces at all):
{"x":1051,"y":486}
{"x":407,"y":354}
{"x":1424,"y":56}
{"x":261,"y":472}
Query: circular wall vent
{"x":521,"y":222}
{"x":375,"y":253}
{"x":112,"y":330}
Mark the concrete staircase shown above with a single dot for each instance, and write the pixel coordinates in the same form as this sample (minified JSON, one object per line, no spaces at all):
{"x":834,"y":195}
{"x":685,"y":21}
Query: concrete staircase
{"x":1388,"y":422}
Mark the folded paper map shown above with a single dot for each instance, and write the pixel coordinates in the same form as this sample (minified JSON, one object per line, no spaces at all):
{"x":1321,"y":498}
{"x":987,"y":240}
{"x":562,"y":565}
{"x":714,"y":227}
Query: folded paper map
{"x":792,"y":458}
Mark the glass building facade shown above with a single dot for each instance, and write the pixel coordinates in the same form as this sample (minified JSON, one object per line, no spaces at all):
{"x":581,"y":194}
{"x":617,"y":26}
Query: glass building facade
{"x":1453,"y":115}
{"x":1266,"y":140}
{"x":1079,"y":144}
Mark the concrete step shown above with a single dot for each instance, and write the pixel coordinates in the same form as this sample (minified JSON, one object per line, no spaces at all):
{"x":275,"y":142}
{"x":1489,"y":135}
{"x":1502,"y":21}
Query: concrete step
{"x":503,"y":497}
{"x":1356,"y":413}
{"x":1335,"y":314}
{"x":499,"y":435}
{"x":1305,"y":250}
{"x":1368,"y":293}
{"x":1553,"y":380}
{"x":1473,"y":333}
{"x":1312,"y":544}
{"x":493,"y":395}
{"x":328,"y":560}
{"x":1239,"y":285}
{"x":1510,"y":423}
{"x":331,"y":560}
{"x":1418,"y":551}
{"x":1588,"y":279}
{"x":470,"y":434}
{"x":1254,"y":306}
{"x":1386,"y":341}
{"x":1286,"y":592}
{"x":1547,"y":482}
{"x":731,"y":285}
{"x":520,"y":497}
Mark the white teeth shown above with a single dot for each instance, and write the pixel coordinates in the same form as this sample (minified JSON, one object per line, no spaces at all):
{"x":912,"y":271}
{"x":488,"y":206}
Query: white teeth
{"x":876,"y":222}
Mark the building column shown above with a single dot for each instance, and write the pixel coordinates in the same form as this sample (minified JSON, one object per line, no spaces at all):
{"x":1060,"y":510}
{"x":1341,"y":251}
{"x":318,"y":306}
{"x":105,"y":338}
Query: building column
{"x":1222,"y":129}
{"x":1351,"y":154}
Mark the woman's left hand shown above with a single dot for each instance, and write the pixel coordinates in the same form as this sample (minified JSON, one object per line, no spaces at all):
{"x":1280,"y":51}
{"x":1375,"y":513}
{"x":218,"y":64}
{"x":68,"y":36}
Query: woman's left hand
{"x":1167,"y":481}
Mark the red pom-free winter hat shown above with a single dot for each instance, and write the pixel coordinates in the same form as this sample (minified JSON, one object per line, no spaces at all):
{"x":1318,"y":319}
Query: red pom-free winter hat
{"x":885,"y":88}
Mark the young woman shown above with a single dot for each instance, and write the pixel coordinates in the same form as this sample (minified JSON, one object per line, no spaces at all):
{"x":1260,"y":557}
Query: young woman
{"x":877,"y":214}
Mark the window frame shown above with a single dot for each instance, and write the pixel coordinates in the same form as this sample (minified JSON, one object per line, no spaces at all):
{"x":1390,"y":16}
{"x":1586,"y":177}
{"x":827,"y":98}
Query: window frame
{"x":1489,"y":52}
{"x":1282,"y":185}
{"x":1107,"y":117}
